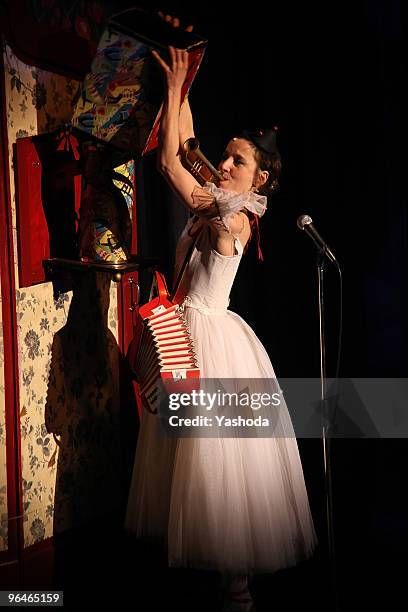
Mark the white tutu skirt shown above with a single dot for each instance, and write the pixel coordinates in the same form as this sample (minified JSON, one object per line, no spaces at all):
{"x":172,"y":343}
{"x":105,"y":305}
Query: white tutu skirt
{"x":233,"y":504}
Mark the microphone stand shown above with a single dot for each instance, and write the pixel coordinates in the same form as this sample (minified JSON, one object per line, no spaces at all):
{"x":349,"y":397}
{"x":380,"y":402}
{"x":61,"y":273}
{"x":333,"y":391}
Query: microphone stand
{"x":321,"y":266}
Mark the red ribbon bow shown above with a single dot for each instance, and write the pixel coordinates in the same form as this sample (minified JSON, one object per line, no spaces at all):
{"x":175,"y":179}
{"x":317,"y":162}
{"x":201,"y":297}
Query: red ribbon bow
{"x":68,"y":142}
{"x":255,"y":222}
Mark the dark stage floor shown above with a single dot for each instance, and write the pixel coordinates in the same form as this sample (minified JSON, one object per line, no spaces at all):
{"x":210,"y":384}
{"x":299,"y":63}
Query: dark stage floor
{"x":103,"y":567}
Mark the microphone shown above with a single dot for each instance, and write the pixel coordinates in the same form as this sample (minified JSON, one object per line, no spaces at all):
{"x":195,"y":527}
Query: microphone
{"x":305,"y":223}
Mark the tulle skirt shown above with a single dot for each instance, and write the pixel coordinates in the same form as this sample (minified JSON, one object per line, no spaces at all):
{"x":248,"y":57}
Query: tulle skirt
{"x":235,"y":504}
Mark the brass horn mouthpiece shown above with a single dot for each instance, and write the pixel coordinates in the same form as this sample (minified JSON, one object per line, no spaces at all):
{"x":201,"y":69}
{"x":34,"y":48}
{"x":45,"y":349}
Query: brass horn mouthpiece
{"x":197,"y":163}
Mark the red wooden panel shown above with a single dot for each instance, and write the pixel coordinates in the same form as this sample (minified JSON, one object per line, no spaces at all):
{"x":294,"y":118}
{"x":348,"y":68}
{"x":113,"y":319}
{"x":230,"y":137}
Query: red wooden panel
{"x":78,"y":188}
{"x":127,"y":289}
{"x":11,"y":381}
{"x":32,"y":230}
{"x":41,"y":171}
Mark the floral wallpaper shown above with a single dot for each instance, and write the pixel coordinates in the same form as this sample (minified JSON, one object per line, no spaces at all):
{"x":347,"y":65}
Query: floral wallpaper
{"x":3,"y":480}
{"x":82,"y":408}
{"x":68,"y":378}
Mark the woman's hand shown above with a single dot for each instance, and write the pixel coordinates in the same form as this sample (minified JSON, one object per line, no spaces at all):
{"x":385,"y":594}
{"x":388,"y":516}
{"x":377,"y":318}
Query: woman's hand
{"x":174,"y":21}
{"x":176,"y":72}
{"x":176,"y":125}
{"x":178,"y":57}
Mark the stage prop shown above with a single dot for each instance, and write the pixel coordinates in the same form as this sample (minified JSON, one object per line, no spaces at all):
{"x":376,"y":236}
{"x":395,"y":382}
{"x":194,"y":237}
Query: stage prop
{"x":69,"y":208}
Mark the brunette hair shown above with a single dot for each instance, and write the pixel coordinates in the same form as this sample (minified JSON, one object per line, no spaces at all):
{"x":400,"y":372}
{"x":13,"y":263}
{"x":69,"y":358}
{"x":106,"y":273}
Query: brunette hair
{"x":267,"y":156}
{"x":273,"y":164}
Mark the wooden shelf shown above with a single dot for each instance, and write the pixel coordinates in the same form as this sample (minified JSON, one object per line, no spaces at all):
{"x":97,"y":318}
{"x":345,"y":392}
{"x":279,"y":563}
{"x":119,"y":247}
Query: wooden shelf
{"x":54,"y":266}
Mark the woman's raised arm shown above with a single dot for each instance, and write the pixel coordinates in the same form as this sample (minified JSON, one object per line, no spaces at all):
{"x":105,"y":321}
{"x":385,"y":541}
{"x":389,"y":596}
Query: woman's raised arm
{"x":170,"y":166}
{"x":186,"y":125}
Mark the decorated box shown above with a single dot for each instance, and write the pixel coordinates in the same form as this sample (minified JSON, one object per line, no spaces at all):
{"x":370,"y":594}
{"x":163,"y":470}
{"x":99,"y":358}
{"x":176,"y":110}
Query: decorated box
{"x":121,"y":98}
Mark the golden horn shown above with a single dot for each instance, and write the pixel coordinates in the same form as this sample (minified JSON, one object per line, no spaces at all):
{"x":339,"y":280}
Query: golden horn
{"x":197,"y":164}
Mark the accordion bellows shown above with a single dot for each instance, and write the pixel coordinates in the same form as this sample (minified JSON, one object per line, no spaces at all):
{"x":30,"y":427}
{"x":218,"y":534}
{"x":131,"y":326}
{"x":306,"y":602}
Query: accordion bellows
{"x":161,"y":353}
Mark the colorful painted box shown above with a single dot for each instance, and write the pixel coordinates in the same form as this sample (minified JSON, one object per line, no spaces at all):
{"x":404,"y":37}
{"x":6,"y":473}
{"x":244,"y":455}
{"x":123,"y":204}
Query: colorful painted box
{"x":121,"y":98}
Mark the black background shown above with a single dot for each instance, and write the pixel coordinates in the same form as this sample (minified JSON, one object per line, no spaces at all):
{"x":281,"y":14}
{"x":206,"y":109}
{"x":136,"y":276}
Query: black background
{"x":332,"y":76}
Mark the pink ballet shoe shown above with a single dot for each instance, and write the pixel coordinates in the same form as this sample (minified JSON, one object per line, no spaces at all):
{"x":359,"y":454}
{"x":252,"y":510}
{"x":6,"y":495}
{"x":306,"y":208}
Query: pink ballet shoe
{"x":234,"y":604}
{"x":238,"y":599}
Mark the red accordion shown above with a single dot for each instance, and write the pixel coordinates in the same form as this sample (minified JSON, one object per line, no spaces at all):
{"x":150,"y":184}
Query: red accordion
{"x":161,"y":353}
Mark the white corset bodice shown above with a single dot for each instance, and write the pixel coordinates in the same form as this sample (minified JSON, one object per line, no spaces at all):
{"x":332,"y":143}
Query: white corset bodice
{"x":209,"y":276}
